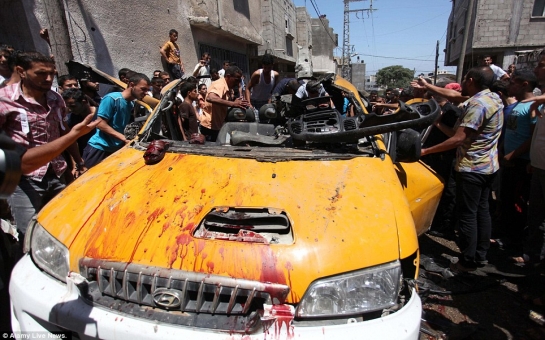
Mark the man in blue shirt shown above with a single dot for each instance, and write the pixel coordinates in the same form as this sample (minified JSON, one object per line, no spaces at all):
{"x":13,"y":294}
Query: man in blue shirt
{"x":515,"y":179}
{"x":114,"y":113}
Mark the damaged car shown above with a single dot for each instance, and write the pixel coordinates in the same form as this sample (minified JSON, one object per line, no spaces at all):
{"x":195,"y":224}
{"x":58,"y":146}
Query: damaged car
{"x":301,"y":226}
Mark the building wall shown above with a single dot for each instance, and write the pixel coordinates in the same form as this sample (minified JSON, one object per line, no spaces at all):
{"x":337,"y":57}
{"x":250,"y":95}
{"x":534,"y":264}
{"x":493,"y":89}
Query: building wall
{"x":279,"y":29}
{"x":21,"y":21}
{"x":498,"y":28}
{"x":115,"y":34}
{"x":323,"y":43}
{"x":304,"y":43}
{"x":358,"y":75}
{"x":455,"y":31}
{"x":371,"y":83}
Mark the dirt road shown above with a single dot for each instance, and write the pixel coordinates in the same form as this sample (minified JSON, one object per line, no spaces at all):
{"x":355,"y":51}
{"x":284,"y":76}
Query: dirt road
{"x":490,"y":303}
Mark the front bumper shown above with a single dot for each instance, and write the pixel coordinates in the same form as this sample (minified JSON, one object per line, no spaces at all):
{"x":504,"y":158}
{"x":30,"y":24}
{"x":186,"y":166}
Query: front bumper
{"x":41,"y":303}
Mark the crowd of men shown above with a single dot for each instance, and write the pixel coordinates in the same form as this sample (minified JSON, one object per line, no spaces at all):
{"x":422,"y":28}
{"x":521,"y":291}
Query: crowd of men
{"x":490,"y":135}
{"x":495,"y":124}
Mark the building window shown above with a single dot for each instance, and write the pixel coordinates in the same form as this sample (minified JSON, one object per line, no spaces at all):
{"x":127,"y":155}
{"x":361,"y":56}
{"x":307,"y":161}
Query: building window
{"x":289,"y":47}
{"x":539,"y":8}
{"x":219,"y":55}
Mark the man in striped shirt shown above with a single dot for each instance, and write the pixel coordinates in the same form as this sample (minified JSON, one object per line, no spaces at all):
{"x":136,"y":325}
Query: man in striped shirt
{"x":475,"y":136}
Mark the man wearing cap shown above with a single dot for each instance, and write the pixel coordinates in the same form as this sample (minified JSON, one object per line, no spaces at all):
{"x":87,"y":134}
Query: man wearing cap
{"x":454,"y":86}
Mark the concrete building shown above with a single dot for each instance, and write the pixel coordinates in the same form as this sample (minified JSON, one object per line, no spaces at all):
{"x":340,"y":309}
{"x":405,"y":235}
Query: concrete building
{"x":115,"y":34}
{"x":324,"y":42}
{"x":304,"y":66}
{"x":279,"y":32}
{"x":358,"y":75}
{"x":501,"y":29}
{"x":371,"y":83}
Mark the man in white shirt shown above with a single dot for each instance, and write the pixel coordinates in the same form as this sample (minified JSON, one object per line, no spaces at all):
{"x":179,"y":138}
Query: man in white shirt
{"x":202,"y":70}
{"x":499,"y":73}
{"x":221,"y":72}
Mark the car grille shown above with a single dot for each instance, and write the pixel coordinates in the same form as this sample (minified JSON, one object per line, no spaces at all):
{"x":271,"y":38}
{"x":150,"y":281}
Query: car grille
{"x":193,"y":292}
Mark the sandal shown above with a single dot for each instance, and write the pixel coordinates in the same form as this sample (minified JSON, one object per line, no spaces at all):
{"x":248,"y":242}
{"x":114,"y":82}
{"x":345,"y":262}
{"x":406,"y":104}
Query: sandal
{"x":522,"y":260}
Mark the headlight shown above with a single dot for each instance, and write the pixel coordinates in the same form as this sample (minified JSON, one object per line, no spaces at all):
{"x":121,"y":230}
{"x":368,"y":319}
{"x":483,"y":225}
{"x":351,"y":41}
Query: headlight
{"x":48,"y":253}
{"x":353,"y":293}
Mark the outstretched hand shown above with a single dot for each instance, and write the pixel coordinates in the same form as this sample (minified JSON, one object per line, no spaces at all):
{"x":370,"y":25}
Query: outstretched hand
{"x":537,"y":102}
{"x":86,"y":126}
{"x":419,"y":83}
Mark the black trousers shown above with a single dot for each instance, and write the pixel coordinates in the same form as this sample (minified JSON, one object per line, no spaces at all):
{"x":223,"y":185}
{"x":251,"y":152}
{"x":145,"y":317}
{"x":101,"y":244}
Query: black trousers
{"x":515,"y":191}
{"x":472,"y":192}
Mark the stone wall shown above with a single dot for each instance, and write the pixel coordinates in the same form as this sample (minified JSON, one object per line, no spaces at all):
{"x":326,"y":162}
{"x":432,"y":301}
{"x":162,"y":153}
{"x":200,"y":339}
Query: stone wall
{"x":115,"y":34}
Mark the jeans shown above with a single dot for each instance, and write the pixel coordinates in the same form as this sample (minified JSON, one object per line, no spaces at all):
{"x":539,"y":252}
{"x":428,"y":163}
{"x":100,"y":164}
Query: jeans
{"x":175,"y":71}
{"x":30,"y":196}
{"x":534,"y":245}
{"x":472,"y":191}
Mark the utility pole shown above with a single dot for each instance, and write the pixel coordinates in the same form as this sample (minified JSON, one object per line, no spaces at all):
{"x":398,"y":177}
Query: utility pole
{"x":436,"y":63}
{"x":346,"y":71}
{"x":461,"y":59}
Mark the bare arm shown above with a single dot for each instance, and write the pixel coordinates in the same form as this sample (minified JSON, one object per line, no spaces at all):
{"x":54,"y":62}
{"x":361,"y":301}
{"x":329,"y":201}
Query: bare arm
{"x":537,"y":101}
{"x":164,"y":53}
{"x":215,"y":99}
{"x":276,"y":79}
{"x":387,"y":106}
{"x":104,"y":127}
{"x":461,"y":134}
{"x":451,"y":95}
{"x":254,"y":80}
{"x":41,"y":155}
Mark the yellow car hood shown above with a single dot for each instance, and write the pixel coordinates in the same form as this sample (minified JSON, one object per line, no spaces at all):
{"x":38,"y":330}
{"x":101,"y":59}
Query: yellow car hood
{"x":130,"y":212}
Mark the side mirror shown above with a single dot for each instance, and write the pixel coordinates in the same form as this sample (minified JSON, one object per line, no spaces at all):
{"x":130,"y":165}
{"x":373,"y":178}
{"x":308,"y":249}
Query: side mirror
{"x":408,"y":146}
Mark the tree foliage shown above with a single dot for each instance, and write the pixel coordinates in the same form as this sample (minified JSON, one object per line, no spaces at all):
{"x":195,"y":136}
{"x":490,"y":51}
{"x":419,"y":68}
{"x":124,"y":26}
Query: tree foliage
{"x":395,"y":76}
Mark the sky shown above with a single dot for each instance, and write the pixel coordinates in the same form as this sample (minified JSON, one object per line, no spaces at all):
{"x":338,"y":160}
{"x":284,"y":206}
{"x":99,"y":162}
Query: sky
{"x":399,"y":32}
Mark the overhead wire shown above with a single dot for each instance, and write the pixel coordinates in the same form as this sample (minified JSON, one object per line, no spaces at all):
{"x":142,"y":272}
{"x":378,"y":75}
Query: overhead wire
{"x":407,"y":28}
{"x":313,"y":2}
